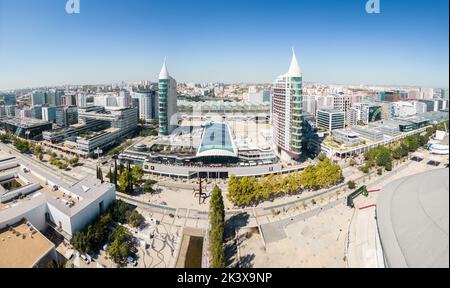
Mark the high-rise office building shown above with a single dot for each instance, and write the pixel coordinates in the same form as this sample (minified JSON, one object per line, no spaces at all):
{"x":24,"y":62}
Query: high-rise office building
{"x":49,"y":114}
{"x":259,"y":97}
{"x":7,"y":110}
{"x":52,"y":97}
{"x":66,"y":116}
{"x":7,"y":100}
{"x":330,"y":119}
{"x":343,"y":103}
{"x":36,"y":112}
{"x":147,"y":103}
{"x":81,"y":100}
{"x":58,"y":95}
{"x":68,"y":100}
{"x":287,"y":112}
{"x":445,"y":94}
{"x":38,"y":98}
{"x":167,"y":102}
{"x":113,"y":100}
{"x":368,"y":112}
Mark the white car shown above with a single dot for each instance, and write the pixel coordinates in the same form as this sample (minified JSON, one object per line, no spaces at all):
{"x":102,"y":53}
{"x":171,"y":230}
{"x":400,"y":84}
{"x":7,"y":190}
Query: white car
{"x":85,"y":258}
{"x":132,"y":261}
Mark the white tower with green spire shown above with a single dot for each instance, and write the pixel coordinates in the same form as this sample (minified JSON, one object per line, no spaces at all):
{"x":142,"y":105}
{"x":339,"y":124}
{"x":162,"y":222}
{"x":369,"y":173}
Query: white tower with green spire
{"x":167,"y":102}
{"x":287,"y":112}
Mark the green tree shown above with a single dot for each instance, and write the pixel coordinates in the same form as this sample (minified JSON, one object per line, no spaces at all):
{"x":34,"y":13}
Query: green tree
{"x":74,"y":161}
{"x":4,"y":138}
{"x":351,"y":184}
{"x":119,"y":248}
{"x":119,"y":211}
{"x":110,"y":176}
{"x":81,"y":242}
{"x":22,"y":145}
{"x":308,"y":178}
{"x":116,"y":173}
{"x":62,"y":165}
{"x":124,"y":182}
{"x":216,"y":223}
{"x":371,"y":155}
{"x":322,"y":156}
{"x":380,"y":171}
{"x":148,"y":186}
{"x":37,"y":149}
{"x":365,"y":168}
{"x":135,"y":219}
{"x":137,"y":172}
{"x":397,"y":152}
{"x":388,"y":166}
{"x":234,"y":190}
{"x":384,"y":158}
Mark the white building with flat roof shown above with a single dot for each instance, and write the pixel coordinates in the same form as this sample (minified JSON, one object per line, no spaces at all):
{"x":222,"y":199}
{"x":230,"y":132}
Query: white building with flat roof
{"x":45,"y":200}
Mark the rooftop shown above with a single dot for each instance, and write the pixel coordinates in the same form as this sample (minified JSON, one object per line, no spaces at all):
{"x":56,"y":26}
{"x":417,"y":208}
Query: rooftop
{"x":22,"y":246}
{"x":68,"y":198}
{"x":24,"y":122}
{"x":413,"y":220}
{"x":330,"y":111}
{"x":346,"y":131}
{"x":217,"y":141}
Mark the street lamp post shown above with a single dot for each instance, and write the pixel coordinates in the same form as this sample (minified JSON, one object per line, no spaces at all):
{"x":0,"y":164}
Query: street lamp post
{"x":98,"y":151}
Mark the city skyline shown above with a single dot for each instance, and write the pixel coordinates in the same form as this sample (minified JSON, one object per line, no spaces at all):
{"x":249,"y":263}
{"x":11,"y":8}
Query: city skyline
{"x":42,"y":45}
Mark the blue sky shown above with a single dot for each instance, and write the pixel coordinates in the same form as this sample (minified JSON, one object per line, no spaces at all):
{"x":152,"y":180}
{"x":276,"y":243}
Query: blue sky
{"x":223,"y":40}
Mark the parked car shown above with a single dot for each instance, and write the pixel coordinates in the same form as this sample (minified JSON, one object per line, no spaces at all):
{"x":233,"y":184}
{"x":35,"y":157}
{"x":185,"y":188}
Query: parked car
{"x":132,"y":261}
{"x":86,"y":259}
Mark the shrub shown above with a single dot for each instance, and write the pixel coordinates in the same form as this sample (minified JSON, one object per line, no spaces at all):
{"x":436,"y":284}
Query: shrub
{"x":351,"y":184}
{"x":380,"y":171}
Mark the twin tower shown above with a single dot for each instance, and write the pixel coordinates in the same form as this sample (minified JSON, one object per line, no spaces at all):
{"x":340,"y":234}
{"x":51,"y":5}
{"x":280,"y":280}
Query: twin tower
{"x":287,"y":110}
{"x":167,"y":102}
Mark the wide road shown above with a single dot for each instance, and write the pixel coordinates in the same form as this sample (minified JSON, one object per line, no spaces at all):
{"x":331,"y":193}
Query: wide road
{"x":29,"y":159}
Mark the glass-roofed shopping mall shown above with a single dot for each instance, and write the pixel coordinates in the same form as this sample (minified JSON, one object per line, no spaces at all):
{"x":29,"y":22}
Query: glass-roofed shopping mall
{"x":235,"y":144}
{"x":217,"y":141}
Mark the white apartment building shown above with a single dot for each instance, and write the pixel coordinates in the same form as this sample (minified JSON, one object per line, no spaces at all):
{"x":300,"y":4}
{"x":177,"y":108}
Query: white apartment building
{"x":167,"y":102}
{"x":408,"y":108}
{"x":81,"y":100}
{"x":148,"y":104}
{"x":313,"y":103}
{"x":121,"y":99}
{"x":287,"y":112}
{"x":343,"y":103}
{"x":426,"y":93}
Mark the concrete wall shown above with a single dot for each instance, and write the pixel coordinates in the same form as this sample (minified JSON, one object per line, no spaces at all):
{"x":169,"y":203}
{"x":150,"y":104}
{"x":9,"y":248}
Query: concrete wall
{"x":186,"y":171}
{"x":59,"y":218}
{"x":21,"y":191}
{"x":90,"y":212}
{"x":8,"y":165}
{"x":33,"y":210}
{"x":7,"y":176}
